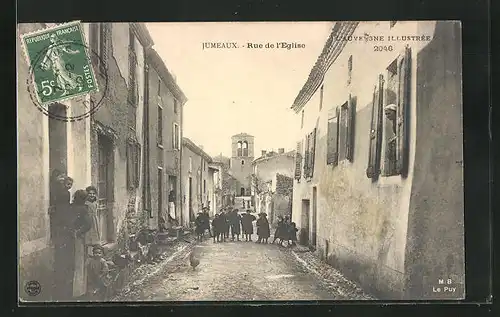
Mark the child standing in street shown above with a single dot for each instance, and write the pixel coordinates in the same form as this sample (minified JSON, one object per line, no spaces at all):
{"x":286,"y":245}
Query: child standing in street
{"x":98,"y":278}
{"x":200,"y":226}
{"x":293,"y":233}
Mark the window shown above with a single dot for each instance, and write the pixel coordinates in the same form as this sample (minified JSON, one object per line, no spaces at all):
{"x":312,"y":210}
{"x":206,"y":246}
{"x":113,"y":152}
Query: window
{"x":242,"y":162}
{"x":159,"y":87}
{"x":100,"y":44}
{"x":133,"y":157}
{"x":159,"y":137}
{"x":176,"y":137}
{"x":310,"y":154}
{"x":298,"y":161}
{"x":175,"y":105}
{"x":239,"y":148}
{"x":373,"y":169}
{"x":349,"y":70}
{"x":342,"y":121}
{"x":245,"y":148}
{"x":332,"y":145}
{"x":160,"y":192}
{"x":190,"y":164}
{"x":321,"y":98}
{"x":132,"y":77}
{"x":204,"y":186}
{"x":346,"y":131}
{"x":396,"y":111}
{"x":302,"y":120}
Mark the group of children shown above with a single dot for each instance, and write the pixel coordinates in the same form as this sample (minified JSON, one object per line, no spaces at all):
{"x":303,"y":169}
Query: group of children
{"x":229,"y":222}
{"x":286,"y":231}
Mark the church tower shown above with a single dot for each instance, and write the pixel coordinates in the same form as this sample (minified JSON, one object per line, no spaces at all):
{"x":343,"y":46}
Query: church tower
{"x":242,"y":156}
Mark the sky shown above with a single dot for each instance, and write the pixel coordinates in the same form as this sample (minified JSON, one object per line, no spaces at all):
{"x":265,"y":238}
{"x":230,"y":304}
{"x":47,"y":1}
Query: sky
{"x":242,"y":89}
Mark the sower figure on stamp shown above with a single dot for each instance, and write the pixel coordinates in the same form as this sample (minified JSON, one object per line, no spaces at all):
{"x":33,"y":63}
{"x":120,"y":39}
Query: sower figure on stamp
{"x":54,"y":60}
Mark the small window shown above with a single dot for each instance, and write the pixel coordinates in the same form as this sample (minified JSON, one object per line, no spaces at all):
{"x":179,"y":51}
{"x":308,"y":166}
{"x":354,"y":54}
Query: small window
{"x":349,"y":70}
{"x":321,"y":98}
{"x":302,"y":120}
{"x":159,"y":87}
{"x":242,"y":162}
{"x":176,"y":137}
{"x":160,"y":126}
{"x":190,"y":164}
{"x":245,"y":148}
{"x":175,"y":105}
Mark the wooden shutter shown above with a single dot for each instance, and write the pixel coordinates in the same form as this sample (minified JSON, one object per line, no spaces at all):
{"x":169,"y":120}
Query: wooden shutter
{"x":130,"y":165}
{"x":306,"y":157}
{"x":94,"y":41}
{"x":137,"y":163}
{"x":333,"y":140}
{"x":313,"y":152}
{"x":351,"y":118}
{"x":375,"y":135}
{"x":298,"y":161}
{"x":104,"y":43}
{"x":403,"y":112}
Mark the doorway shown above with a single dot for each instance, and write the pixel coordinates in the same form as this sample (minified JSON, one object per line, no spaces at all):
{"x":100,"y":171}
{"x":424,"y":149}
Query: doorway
{"x":58,"y":151}
{"x":314,"y":216}
{"x":190,"y":199}
{"x":304,"y":220}
{"x":105,"y":187}
{"x":172,"y":196}
{"x":160,"y":195}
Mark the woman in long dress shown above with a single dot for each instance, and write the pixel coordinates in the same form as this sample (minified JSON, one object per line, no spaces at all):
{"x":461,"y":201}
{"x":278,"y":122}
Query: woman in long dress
{"x":247,"y":220}
{"x":82,"y":225}
{"x":61,"y":222}
{"x":263,"y":231}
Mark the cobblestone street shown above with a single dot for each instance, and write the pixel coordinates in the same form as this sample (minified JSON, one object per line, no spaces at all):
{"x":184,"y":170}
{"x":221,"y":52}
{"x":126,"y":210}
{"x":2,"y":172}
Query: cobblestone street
{"x":240,"y":271}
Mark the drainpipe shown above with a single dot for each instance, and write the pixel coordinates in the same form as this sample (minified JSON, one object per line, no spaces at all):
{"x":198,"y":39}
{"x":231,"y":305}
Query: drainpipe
{"x":180,"y":197}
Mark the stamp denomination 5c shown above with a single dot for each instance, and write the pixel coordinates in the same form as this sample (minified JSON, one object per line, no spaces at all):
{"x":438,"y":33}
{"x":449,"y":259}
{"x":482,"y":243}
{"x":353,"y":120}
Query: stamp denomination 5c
{"x":60,"y":63}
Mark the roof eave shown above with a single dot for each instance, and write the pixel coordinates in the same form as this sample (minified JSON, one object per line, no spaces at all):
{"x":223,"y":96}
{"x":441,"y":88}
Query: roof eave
{"x":167,"y":77}
{"x":329,"y":54}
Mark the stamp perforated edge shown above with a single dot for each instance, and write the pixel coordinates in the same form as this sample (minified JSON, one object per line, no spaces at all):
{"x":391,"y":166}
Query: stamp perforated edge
{"x":51,"y":28}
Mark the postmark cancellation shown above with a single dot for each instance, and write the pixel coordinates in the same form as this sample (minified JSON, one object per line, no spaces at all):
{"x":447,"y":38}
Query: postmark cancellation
{"x":60,"y":64}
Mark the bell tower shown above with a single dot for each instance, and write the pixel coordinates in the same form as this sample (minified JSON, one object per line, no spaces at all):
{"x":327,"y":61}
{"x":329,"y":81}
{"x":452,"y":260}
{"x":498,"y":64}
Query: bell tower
{"x":242,"y":156}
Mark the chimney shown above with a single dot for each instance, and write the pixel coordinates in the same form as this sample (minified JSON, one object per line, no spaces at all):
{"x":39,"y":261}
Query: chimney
{"x":264,"y":152}
{"x":281,"y":150}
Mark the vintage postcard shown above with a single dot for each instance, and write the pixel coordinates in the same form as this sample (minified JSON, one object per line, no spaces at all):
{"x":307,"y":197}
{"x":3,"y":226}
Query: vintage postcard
{"x":269,"y":161}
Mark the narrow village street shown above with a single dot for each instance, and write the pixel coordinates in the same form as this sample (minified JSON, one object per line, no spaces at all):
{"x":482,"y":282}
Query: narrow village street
{"x":242,"y":271}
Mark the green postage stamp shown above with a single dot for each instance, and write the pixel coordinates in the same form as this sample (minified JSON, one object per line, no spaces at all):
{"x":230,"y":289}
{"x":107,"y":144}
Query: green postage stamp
{"x":59,"y":61}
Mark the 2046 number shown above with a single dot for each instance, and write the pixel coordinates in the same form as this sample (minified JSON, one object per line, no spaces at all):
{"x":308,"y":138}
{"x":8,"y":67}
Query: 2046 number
{"x":383,"y":48}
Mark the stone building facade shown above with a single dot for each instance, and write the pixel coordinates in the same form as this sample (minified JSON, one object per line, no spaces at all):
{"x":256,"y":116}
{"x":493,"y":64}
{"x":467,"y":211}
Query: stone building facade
{"x":196,"y":182}
{"x":103,"y":150}
{"x":374,"y":190}
{"x":163,"y":147}
{"x":269,"y":171}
